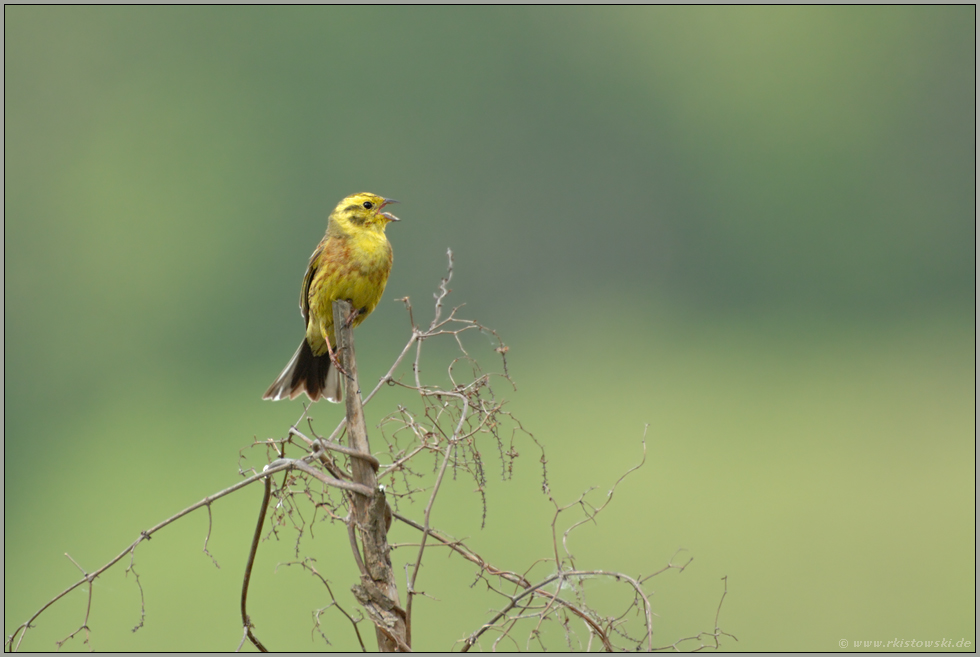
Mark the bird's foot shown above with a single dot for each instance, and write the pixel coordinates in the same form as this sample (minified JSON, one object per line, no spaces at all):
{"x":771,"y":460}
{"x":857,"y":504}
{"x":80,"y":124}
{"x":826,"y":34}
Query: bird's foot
{"x":334,"y":360}
{"x":354,"y":312}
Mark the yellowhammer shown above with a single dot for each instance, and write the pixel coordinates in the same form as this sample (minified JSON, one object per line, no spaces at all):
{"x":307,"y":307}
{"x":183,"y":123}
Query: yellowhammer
{"x":352,"y":262}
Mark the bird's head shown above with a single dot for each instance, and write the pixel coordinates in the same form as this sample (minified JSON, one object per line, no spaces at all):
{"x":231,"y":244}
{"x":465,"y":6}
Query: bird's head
{"x":363,"y":210}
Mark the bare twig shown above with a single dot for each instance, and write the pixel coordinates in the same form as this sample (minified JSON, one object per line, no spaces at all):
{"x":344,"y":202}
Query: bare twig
{"x":337,"y":447}
{"x":14,"y":640}
{"x":246,"y":621}
{"x":88,"y":608}
{"x":306,"y":564}
{"x":208,"y":538}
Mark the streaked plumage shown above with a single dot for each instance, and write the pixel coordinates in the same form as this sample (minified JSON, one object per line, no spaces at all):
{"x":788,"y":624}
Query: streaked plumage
{"x":351,"y":262}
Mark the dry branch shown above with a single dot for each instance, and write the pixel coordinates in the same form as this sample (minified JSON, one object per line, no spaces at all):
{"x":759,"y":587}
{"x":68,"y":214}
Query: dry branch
{"x":445,"y":430}
{"x":377,"y":593}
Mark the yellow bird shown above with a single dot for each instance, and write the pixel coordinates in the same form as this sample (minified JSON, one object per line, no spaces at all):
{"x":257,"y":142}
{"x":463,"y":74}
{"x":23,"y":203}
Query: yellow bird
{"x":352,"y":262}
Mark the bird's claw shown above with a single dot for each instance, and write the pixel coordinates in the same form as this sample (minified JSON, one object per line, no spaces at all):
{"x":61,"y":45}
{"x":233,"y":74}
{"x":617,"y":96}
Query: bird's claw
{"x":354,"y":312}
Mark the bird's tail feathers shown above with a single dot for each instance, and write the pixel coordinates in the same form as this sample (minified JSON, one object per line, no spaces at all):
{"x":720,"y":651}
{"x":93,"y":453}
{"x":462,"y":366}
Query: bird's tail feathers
{"x":305,"y":372}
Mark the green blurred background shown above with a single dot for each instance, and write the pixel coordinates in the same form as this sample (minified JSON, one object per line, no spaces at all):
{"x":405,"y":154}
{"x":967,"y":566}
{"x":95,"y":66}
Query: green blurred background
{"x":752,"y":229}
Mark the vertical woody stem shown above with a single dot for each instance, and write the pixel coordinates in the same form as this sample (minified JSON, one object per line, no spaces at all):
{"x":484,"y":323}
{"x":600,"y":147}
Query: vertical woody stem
{"x":377,"y":593}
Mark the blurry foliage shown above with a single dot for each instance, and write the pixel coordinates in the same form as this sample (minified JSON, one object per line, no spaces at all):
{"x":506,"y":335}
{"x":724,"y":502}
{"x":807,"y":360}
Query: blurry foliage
{"x":170,"y":168}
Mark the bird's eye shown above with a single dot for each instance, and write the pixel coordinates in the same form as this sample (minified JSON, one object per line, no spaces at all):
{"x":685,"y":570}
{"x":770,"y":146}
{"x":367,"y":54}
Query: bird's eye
{"x":368,"y":205}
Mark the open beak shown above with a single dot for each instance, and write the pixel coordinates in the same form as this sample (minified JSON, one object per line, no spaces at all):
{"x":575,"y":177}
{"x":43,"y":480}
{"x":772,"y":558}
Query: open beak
{"x":388,"y":215}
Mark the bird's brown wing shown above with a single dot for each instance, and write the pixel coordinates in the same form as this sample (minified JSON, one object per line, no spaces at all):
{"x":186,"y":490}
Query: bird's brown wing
{"x":304,"y":295}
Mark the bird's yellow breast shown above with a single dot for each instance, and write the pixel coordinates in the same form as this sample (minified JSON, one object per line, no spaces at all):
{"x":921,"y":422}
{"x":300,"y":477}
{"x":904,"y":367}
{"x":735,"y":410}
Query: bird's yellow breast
{"x":352,"y":266}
